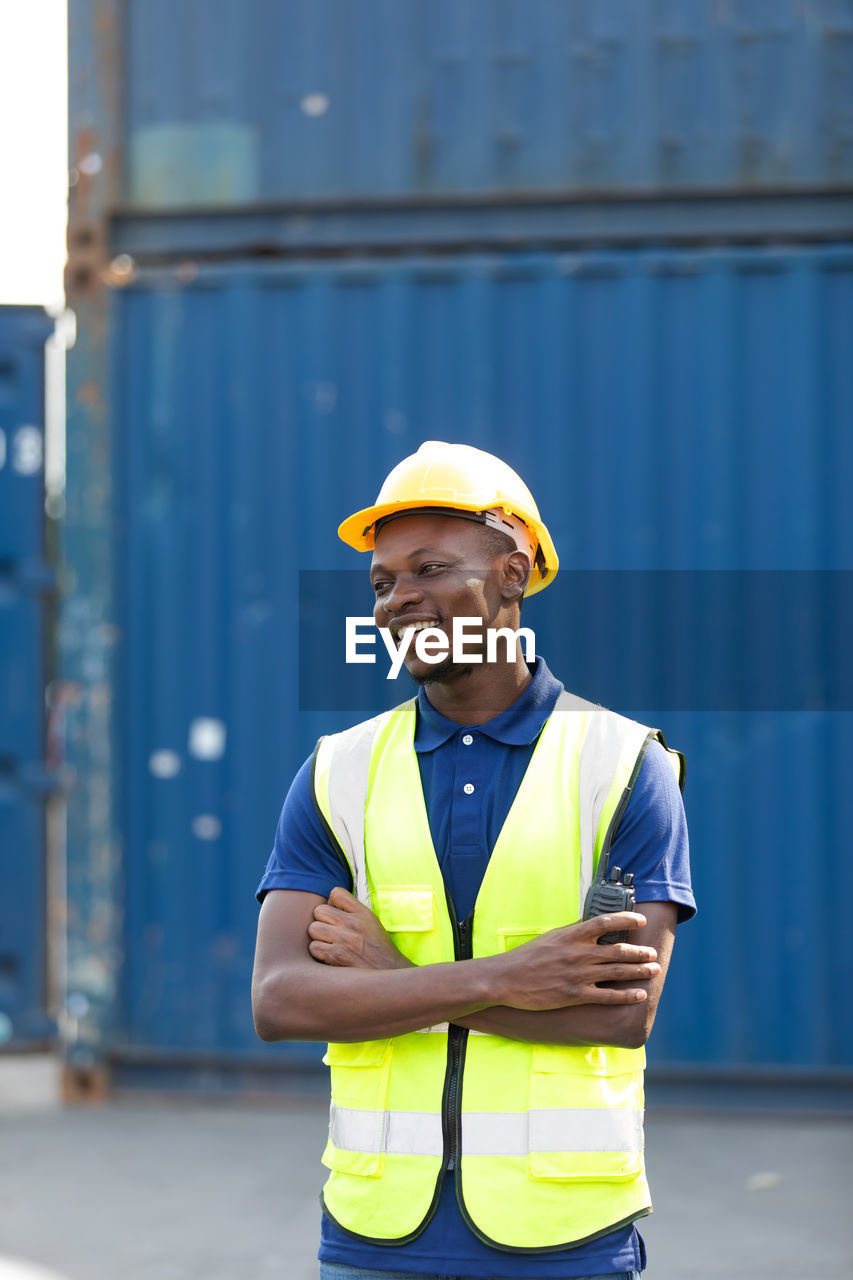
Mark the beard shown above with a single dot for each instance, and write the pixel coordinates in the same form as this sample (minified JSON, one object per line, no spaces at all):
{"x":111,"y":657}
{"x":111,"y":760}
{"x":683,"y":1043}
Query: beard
{"x":442,"y":672}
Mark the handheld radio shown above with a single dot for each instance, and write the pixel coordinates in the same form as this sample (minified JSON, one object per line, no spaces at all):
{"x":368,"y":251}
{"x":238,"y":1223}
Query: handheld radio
{"x":610,"y":894}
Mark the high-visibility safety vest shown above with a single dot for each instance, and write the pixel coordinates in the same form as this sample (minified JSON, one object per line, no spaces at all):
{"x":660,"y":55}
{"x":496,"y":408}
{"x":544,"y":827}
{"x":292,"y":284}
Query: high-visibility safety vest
{"x":546,"y":1140}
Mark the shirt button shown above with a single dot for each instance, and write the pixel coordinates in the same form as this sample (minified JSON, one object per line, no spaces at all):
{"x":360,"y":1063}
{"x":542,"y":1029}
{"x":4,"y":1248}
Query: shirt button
{"x":468,"y":788}
{"x":468,"y":738}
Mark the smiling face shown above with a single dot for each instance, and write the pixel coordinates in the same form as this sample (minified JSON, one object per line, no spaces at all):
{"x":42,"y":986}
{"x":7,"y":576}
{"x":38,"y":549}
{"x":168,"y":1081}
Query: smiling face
{"x":429,"y":569}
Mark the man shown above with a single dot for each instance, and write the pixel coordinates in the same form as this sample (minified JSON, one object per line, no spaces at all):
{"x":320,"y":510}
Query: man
{"x":422,"y":911}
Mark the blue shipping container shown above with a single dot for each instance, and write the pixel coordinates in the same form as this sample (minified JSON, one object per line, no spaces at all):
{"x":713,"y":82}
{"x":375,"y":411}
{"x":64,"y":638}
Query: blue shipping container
{"x":24,"y":578}
{"x":684,"y":411}
{"x":325,"y":99}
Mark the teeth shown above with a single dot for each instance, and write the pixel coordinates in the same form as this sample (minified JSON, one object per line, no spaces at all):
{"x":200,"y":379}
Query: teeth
{"x":414,"y":626}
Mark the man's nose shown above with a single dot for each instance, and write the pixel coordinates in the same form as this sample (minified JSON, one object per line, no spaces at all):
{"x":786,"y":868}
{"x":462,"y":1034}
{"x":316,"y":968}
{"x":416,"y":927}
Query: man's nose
{"x":405,"y":590}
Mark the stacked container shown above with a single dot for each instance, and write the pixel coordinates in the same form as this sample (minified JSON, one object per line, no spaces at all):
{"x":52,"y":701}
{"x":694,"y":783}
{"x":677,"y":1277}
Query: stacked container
{"x":26,"y":585}
{"x":611,"y":244}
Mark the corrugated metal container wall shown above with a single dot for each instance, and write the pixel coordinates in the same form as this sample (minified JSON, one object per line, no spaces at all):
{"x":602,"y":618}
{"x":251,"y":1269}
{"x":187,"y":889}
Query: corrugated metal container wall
{"x":24,"y":578}
{"x":308,"y":99}
{"x":670,"y":410}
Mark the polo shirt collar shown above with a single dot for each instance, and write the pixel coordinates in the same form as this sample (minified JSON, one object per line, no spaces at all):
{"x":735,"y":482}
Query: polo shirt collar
{"x":518,"y":726}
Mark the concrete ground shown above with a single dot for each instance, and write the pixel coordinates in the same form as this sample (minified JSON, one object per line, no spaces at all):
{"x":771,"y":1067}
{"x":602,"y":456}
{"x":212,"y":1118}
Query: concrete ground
{"x":227,"y":1191}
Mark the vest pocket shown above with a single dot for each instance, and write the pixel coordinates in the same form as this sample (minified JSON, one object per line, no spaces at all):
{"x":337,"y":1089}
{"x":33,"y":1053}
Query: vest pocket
{"x":358,"y":1116}
{"x":588,"y":1166}
{"x":509,"y":939}
{"x":405,"y":908}
{"x":586,"y":1122}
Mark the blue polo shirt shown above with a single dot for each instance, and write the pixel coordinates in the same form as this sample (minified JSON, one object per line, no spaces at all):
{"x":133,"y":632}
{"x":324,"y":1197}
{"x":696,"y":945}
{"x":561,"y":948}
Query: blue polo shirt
{"x":465,"y":824}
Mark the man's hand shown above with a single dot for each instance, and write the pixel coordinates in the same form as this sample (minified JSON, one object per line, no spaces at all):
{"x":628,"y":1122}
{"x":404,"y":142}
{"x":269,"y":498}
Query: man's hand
{"x":559,"y":969}
{"x":346,"y":933}
{"x":566,"y":966}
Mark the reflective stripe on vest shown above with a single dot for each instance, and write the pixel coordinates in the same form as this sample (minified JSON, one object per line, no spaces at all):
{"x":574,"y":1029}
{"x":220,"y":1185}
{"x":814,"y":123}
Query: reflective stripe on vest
{"x":486,"y":1134}
{"x":531,"y":1117}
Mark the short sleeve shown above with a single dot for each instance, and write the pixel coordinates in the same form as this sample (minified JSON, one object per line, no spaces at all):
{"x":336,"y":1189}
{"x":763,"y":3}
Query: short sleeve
{"x":651,"y":841}
{"x":303,"y":855}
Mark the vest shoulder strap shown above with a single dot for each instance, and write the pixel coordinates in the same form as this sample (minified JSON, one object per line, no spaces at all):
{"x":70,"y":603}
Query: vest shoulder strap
{"x":572,"y":702}
{"x":340,"y":783}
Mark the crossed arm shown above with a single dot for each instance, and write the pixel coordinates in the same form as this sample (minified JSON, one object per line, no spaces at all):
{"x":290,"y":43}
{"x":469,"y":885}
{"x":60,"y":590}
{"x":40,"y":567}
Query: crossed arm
{"x":327,"y":970}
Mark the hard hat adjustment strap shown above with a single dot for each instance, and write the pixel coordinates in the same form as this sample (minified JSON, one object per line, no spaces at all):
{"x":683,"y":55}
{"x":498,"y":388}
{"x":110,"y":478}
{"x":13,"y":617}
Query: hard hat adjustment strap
{"x":477,"y":516}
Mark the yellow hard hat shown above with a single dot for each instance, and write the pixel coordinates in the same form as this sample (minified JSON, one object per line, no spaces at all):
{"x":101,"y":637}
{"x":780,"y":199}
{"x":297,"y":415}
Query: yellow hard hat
{"x":457,"y":478}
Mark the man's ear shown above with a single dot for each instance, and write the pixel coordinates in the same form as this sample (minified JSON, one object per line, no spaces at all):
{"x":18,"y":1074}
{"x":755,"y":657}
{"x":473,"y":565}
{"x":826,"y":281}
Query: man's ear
{"x":516,"y":573}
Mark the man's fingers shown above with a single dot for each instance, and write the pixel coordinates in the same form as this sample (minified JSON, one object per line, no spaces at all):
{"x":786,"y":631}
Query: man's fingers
{"x":613,"y":922}
{"x":627,"y":953}
{"x":322,"y":932}
{"x":340,"y":909}
{"x":326,"y":954}
{"x":629,"y":972}
{"x":344,"y":900}
{"x":331,"y":915}
{"x":606,"y":995}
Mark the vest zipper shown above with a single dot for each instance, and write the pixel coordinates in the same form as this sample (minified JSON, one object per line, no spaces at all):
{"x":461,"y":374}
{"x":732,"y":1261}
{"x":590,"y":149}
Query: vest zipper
{"x":457,"y":1039}
{"x":451,"y":1116}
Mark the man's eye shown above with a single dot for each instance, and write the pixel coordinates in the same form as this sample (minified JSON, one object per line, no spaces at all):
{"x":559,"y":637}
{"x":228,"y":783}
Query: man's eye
{"x":428,"y":568}
{"x":381,"y":587}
